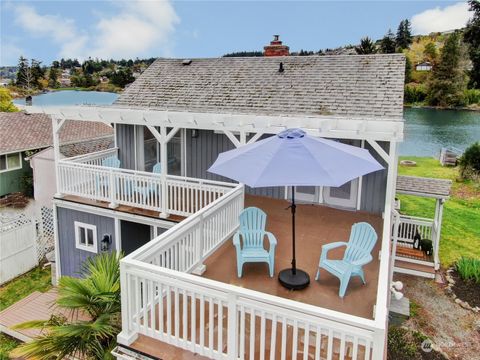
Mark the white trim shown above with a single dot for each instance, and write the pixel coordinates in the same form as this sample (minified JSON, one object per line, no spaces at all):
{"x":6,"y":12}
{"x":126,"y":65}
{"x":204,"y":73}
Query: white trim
{"x":114,"y":214}
{"x":331,"y":126}
{"x":7,"y":169}
{"x":118,"y":235}
{"x":360,"y":183}
{"x":400,"y":270}
{"x":57,"y":244}
{"x":79,"y":226}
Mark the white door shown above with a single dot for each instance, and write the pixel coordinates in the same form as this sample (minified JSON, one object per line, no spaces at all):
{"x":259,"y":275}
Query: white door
{"x":344,"y":196}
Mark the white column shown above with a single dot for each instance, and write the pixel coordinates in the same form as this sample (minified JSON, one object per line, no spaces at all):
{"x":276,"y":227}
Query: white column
{"x":58,"y":271}
{"x":56,"y":126}
{"x":164,"y":166}
{"x":438,"y":230}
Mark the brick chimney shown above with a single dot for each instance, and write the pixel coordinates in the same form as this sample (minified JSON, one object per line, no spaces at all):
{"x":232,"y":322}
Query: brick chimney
{"x":276,"y":48}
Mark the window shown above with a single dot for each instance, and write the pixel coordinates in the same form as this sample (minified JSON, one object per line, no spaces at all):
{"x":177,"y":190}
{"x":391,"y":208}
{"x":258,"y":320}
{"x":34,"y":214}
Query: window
{"x":10,"y":162}
{"x":86,"y":237}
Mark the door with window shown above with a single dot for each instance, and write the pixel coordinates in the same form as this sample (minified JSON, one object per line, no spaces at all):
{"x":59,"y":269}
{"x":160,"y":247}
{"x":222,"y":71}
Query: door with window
{"x":344,"y":196}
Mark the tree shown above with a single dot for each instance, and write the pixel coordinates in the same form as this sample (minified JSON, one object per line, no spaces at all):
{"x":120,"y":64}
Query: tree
{"x":387,"y":44}
{"x":448,"y":82}
{"x":404,"y":35}
{"x":366,"y":46}
{"x":6,"y":104}
{"x":53,"y":77}
{"x":430,"y":52}
{"x":97,"y":295}
{"x":408,"y":70}
{"x":38,"y":72}
{"x":121,"y":77}
{"x":24,"y":74}
{"x":471,"y":36}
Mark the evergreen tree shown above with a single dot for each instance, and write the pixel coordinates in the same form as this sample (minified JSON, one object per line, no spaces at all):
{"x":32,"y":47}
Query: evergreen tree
{"x":38,"y":72}
{"x":404,"y":35}
{"x":366,"y":46}
{"x":387,"y":44}
{"x":408,"y":70}
{"x":53,"y":78}
{"x":472,"y":38}
{"x":447,"y":85}
{"x":24,"y":78}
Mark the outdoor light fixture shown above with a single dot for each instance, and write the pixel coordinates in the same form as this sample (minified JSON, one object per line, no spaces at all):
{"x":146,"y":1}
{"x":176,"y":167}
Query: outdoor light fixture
{"x":106,"y":242}
{"x":195,"y":133}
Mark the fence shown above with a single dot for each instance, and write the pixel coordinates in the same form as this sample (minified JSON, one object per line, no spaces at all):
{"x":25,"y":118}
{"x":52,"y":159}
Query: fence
{"x":24,"y":242}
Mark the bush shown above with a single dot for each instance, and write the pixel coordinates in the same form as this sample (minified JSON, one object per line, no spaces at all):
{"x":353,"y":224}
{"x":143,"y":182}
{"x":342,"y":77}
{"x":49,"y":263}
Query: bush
{"x":415,"y":93}
{"x":469,"y":269}
{"x":470,"y":162}
{"x":472,"y":96}
{"x":404,"y":344}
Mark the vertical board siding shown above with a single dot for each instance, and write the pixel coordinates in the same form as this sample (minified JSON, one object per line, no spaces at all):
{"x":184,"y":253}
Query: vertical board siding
{"x":374,"y":185}
{"x":11,"y":180}
{"x":126,"y":145}
{"x":72,"y":258}
{"x":202,"y":152}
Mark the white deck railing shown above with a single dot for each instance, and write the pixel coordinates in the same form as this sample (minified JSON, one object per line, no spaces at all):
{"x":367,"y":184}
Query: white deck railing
{"x":163,"y":300}
{"x":83,"y":176}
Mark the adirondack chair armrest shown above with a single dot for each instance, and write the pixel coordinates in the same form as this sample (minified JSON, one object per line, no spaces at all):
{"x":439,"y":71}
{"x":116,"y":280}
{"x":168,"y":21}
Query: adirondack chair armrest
{"x":272,"y":240}
{"x":327,"y":247}
{"x":236,"y":240}
{"x":363,"y":261}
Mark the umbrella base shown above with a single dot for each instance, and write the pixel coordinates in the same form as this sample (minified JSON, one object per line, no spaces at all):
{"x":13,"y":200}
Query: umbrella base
{"x":291,"y":281}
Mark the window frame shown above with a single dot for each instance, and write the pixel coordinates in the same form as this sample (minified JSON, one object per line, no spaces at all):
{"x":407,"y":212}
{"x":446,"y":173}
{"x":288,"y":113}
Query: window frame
{"x":79,"y":226}
{"x":7,"y":169}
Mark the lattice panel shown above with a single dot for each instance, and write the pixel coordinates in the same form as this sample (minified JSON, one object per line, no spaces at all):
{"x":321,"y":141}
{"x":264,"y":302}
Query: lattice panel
{"x":45,"y":233}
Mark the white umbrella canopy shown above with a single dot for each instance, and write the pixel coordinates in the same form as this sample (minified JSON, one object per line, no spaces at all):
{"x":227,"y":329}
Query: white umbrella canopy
{"x":293,"y":158}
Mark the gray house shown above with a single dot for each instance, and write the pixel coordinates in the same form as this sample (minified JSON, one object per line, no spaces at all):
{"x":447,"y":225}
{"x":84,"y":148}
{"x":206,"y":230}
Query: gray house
{"x":174,"y":220}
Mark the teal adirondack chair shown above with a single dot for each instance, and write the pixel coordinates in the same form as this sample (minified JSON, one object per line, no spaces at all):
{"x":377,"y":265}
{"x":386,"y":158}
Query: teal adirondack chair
{"x":357,"y":253}
{"x":145,"y":190}
{"x":248,"y":240}
{"x":102,"y":181}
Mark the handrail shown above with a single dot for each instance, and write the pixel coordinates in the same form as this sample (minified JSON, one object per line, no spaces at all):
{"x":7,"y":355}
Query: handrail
{"x":217,"y":286}
{"x":164,"y":238}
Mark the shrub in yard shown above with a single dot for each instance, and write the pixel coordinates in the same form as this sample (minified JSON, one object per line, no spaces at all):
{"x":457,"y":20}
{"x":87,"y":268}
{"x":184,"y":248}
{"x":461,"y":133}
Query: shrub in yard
{"x":470,"y":162}
{"x":403,"y":344}
{"x":469,"y":269}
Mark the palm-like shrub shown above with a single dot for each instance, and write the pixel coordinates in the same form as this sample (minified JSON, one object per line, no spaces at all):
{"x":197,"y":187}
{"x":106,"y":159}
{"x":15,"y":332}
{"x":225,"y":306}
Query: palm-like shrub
{"x":96,"y":297}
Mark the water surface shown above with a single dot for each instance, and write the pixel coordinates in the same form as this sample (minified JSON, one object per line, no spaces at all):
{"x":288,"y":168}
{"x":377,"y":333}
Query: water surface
{"x":71,"y":97}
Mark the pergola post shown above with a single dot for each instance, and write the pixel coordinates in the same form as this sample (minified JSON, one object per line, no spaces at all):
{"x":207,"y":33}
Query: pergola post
{"x":438,"y":229}
{"x":56,"y":126}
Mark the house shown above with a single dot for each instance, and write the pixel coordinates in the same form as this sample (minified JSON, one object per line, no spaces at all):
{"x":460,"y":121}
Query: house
{"x":65,"y":78}
{"x":424,"y":66}
{"x":180,"y":291}
{"x":22,"y":134}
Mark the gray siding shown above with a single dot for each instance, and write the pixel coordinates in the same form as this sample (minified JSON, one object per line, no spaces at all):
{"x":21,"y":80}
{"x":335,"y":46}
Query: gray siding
{"x":72,"y":258}
{"x":126,"y":145}
{"x":374,"y":185}
{"x":202,"y":152}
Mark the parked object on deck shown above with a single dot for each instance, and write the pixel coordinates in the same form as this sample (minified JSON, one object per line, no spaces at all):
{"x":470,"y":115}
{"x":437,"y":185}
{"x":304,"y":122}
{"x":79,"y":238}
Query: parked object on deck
{"x":249,"y":240}
{"x":357,"y":253}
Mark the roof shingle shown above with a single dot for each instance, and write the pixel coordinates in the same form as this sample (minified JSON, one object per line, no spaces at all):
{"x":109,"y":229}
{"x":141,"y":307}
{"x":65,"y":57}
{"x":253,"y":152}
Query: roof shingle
{"x":20,"y":131}
{"x":345,"y":85}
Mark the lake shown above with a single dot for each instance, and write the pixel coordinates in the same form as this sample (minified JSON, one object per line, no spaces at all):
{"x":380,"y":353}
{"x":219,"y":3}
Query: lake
{"x":71,"y":97}
{"x":426,"y":130}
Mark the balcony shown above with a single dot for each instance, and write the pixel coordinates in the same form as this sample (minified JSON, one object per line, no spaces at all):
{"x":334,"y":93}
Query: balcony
{"x":84,"y":179}
{"x":181,"y":295}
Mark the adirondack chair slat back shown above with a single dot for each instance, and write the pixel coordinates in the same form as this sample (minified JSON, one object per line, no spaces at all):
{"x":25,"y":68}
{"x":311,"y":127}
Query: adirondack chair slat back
{"x":157,"y":168}
{"x":252,"y":227}
{"x":111,"y":161}
{"x":362,"y":240}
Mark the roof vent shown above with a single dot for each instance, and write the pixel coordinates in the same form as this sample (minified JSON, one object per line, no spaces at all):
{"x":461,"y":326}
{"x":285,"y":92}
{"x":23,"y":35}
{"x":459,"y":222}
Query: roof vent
{"x":187,"y":61}
{"x":281,"y":68}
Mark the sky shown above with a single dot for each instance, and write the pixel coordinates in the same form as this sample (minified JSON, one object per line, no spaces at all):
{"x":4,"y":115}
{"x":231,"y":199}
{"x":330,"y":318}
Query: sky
{"x":50,"y":30}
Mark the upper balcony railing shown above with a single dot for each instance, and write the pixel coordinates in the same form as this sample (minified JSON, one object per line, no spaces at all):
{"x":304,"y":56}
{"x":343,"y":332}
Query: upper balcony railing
{"x":176,"y":195}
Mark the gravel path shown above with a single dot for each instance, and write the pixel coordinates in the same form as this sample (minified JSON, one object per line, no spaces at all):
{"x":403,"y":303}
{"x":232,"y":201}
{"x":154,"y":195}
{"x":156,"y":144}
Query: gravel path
{"x":456,"y":331}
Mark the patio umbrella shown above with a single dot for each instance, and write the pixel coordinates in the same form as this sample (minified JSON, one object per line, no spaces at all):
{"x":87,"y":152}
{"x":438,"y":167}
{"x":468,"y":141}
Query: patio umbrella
{"x":293,"y":158}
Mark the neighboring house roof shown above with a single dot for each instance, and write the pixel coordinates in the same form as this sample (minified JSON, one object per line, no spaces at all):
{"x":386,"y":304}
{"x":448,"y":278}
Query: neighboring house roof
{"x":421,"y":186}
{"x":20,"y":131}
{"x":425,"y":63}
{"x":86,"y":147}
{"x":345,"y":85}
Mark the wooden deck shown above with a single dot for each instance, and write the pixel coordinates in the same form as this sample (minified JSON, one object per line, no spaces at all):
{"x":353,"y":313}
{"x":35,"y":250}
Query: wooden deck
{"x":316,"y":225}
{"x":36,"y":306}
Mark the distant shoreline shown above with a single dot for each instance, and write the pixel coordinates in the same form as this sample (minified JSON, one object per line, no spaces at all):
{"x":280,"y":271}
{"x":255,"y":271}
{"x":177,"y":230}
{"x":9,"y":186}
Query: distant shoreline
{"x":475,"y":108}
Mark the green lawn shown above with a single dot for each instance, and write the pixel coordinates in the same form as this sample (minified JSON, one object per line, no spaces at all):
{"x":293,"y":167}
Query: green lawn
{"x":461,"y":216}
{"x":37,"y":279}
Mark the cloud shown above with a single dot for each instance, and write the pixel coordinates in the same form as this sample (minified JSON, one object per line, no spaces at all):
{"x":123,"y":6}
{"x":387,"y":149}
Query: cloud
{"x":10,"y":52}
{"x":136,"y":28}
{"x":435,"y":20}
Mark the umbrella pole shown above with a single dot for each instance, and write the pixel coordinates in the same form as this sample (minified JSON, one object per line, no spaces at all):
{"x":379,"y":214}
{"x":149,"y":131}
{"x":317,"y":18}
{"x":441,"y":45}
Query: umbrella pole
{"x":293,"y":208}
{"x":293,"y":278}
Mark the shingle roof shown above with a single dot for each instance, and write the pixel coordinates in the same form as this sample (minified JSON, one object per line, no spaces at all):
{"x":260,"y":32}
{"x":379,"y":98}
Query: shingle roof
{"x":345,"y":85}
{"x":86,"y":147}
{"x":20,"y":131}
{"x":437,"y":188}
